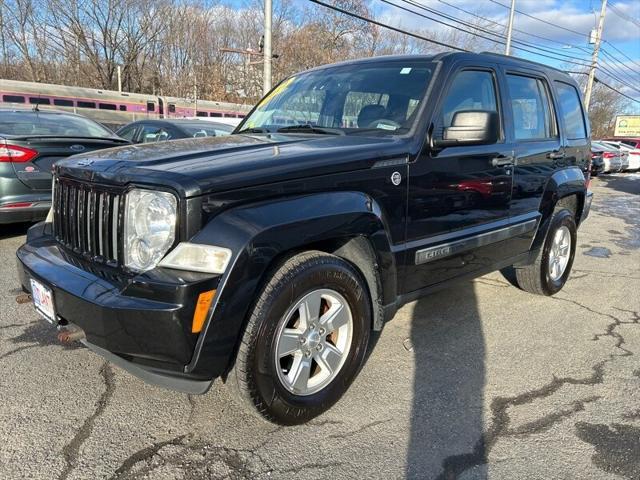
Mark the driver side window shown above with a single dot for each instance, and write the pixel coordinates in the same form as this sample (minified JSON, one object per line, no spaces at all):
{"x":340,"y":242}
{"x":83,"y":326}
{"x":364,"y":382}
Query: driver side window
{"x":469,"y":90}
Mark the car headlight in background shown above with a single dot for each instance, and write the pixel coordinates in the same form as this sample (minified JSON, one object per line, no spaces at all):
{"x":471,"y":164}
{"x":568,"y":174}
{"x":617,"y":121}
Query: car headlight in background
{"x":198,"y":258}
{"x":149,"y":227}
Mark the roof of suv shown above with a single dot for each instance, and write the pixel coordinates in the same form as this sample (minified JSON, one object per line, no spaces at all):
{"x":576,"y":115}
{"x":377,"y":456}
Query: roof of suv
{"x":488,"y":57}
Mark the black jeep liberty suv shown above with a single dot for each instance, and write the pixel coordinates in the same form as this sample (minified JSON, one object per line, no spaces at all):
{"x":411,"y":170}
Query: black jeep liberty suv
{"x":267,"y":257}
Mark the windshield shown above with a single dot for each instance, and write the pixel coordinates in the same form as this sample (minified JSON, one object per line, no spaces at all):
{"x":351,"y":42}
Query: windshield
{"x":50,"y":124}
{"x":381,"y":98}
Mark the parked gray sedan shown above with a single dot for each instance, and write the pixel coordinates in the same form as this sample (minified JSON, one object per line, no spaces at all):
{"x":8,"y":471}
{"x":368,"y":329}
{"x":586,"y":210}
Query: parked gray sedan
{"x":30,"y":142}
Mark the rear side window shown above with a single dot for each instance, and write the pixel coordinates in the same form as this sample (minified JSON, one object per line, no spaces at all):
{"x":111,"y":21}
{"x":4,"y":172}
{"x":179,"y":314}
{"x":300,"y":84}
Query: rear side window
{"x":128,"y":133}
{"x":470,"y":90}
{"x":571,"y":109}
{"x":530,"y":107}
{"x":152,"y":134}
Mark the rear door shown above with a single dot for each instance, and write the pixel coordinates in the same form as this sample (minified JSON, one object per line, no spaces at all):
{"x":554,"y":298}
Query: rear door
{"x":577,"y":146}
{"x":533,"y":129}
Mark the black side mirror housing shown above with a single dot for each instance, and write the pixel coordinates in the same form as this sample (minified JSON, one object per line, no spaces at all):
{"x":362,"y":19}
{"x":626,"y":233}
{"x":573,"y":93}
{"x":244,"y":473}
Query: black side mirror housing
{"x":470,"y":127}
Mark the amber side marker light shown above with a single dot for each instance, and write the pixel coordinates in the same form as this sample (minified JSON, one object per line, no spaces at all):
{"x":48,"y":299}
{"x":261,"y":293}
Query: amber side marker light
{"x":202,"y":307}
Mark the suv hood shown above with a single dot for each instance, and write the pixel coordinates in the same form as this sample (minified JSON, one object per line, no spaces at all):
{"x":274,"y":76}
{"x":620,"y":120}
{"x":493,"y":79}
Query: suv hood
{"x":203,"y":165}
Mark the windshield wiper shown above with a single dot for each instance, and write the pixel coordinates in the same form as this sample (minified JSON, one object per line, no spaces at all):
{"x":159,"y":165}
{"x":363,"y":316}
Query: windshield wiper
{"x":253,"y":130}
{"x":306,"y":128}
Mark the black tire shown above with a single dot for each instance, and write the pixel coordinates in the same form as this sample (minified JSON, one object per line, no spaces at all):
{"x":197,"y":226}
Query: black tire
{"x":535,"y":278}
{"x":254,"y":378}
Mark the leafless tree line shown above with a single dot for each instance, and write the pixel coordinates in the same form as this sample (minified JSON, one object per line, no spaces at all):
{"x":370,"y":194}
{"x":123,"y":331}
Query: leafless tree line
{"x":174,"y":46}
{"x":177,"y":47}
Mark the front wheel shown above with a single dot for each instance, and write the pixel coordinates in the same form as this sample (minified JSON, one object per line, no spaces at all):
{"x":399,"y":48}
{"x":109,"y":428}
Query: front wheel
{"x":305,"y":340}
{"x":551,"y":268}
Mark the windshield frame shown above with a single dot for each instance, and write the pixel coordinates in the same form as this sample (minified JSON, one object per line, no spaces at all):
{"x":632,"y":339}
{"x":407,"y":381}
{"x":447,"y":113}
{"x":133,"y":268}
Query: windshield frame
{"x":374,"y":61}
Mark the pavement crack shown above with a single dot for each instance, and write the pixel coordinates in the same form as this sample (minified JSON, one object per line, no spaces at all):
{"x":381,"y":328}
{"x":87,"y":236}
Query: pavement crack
{"x":454,"y":465}
{"x":309,"y":466}
{"x":545,"y":423}
{"x":16,"y":325}
{"x":610,"y":330}
{"x":359,"y":430}
{"x":192,"y":410}
{"x":605,"y":274}
{"x":634,"y":415}
{"x":16,"y":350}
{"x":71,"y":450}
{"x":493,"y":283}
{"x":144,"y":454}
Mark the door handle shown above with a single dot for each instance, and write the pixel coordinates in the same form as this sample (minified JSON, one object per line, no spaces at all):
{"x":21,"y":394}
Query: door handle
{"x":556,"y":155}
{"x":501,"y":161}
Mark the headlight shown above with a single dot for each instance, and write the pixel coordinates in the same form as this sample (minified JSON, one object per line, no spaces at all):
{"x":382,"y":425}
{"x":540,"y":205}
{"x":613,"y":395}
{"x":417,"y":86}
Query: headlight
{"x":149,"y":227}
{"x":198,"y":258}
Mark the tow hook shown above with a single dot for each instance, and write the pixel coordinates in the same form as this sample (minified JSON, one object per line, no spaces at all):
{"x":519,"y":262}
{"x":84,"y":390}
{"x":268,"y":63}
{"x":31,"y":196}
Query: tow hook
{"x":70,"y":333}
{"x":23,"y":298}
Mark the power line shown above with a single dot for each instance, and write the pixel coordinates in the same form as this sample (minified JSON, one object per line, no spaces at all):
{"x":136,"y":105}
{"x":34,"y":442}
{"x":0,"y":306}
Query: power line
{"x":597,"y":80}
{"x":616,"y":90}
{"x":500,"y":40}
{"x":583,"y":35}
{"x":384,"y":25}
{"x":566,"y":58}
{"x":623,"y":15}
{"x":523,"y":32}
{"x":582,"y":48}
{"x":621,"y":53}
{"x":443,"y":44}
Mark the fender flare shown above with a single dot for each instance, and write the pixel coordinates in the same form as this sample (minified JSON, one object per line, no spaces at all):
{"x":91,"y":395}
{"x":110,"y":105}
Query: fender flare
{"x":563,"y":183}
{"x":259,"y":234}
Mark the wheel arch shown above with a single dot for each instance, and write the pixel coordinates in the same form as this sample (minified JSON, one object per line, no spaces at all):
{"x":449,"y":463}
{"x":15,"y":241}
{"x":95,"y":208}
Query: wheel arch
{"x":565,"y":188}
{"x":349,"y":225}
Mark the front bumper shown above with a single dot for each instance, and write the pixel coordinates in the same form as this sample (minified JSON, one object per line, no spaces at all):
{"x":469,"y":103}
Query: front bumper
{"x":141,"y":322}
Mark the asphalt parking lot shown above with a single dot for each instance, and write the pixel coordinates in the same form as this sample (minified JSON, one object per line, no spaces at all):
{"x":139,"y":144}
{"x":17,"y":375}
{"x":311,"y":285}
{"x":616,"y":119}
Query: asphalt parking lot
{"x":478,"y":381}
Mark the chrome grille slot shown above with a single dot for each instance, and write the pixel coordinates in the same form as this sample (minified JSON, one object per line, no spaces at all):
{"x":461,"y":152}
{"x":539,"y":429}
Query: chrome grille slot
{"x":88,"y":219}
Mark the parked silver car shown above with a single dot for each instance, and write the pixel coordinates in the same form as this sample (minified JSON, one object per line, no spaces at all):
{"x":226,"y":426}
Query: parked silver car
{"x":630,"y":156}
{"x":610,"y":156}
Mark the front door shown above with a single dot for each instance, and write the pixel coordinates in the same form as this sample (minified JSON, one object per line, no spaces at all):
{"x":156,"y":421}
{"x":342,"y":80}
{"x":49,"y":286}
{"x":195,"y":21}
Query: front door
{"x":459,"y":196}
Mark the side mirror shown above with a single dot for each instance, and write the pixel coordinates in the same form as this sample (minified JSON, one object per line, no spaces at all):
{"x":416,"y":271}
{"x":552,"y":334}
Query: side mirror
{"x":470,"y":127}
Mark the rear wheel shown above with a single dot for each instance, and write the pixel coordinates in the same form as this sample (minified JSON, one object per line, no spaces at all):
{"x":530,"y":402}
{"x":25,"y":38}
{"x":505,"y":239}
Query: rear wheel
{"x":305,"y":341}
{"x":551,"y":268}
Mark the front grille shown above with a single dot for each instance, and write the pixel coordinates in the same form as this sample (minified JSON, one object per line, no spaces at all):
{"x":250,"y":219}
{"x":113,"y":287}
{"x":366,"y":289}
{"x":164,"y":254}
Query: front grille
{"x":88,"y":219}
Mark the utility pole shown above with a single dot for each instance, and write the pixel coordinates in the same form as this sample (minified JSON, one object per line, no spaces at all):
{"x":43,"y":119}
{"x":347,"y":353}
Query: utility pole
{"x":594,"y":57}
{"x":268,"y":56}
{"x":507,"y":47}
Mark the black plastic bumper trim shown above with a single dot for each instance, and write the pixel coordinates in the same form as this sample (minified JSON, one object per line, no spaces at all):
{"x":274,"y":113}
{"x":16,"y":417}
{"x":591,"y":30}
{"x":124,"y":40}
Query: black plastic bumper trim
{"x":153,"y":376}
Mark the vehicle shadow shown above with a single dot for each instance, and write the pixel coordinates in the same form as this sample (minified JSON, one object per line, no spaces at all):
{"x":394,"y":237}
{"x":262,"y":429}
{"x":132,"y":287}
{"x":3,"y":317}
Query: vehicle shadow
{"x":14,"y":230}
{"x":447,"y":411}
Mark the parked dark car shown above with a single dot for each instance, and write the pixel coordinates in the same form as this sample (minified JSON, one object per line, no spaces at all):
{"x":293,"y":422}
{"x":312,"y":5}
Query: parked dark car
{"x":30,"y":141}
{"x":267,"y":258}
{"x":152,"y":131}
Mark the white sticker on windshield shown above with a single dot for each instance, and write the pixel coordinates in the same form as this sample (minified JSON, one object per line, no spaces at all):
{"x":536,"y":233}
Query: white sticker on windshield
{"x":405,"y":71}
{"x":384,"y":126}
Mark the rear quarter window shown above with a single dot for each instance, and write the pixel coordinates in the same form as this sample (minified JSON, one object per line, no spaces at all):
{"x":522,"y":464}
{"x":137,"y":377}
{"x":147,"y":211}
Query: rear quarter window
{"x":571,"y":111}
